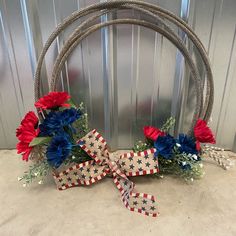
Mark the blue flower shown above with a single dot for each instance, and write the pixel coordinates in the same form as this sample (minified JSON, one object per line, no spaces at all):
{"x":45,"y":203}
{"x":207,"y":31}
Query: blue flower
{"x":164,"y":146}
{"x":70,"y":115}
{"x":58,"y":150}
{"x":55,"y":122}
{"x":187,"y":144}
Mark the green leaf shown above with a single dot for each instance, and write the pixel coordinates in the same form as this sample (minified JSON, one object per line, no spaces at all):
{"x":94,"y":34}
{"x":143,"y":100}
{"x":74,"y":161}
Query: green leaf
{"x":39,"y":141}
{"x":71,"y":103}
{"x":169,"y":124}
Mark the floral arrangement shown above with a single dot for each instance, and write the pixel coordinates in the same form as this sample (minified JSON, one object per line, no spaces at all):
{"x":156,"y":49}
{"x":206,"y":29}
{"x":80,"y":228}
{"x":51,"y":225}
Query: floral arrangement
{"x":52,"y":142}
{"x":59,"y":138}
{"x":181,"y":156}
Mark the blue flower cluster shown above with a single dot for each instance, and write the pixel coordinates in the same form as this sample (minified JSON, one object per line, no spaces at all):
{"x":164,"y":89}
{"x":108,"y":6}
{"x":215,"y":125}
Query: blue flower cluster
{"x":57,"y":124}
{"x":164,"y":146}
{"x":58,"y":150}
{"x":184,"y":144}
{"x":187,"y":144}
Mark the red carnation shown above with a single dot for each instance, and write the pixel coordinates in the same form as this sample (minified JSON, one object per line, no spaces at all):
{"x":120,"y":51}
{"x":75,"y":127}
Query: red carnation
{"x":24,"y":149}
{"x":53,"y":100}
{"x":25,"y":133}
{"x":152,"y":132}
{"x":29,"y":119}
{"x":203,"y":133}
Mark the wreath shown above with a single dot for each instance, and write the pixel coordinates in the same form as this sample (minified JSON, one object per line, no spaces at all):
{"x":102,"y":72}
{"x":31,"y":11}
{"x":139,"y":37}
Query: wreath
{"x":58,"y":139}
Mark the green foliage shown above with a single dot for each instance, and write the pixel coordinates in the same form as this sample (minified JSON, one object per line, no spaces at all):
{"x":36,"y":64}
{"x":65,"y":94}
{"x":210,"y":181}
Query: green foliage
{"x":173,"y":167}
{"x":81,"y":126}
{"x":36,"y":171}
{"x":169,"y":124}
{"x":78,"y":156}
{"x":140,"y":146}
{"x":71,"y":103}
{"x":39,"y":141}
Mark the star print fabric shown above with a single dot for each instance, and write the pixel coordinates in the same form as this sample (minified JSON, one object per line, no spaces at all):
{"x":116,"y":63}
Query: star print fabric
{"x":128,"y":164}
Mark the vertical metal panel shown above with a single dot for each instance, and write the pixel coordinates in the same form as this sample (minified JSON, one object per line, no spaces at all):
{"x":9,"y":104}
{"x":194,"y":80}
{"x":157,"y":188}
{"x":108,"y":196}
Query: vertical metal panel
{"x":181,"y":77}
{"x":109,"y":38}
{"x":227,"y":112}
{"x":127,"y":76}
{"x":222,"y":58}
{"x":16,"y":82}
{"x":125,"y":79}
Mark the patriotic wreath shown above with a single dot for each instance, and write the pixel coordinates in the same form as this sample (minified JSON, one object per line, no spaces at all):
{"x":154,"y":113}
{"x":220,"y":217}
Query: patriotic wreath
{"x":58,"y":140}
{"x":63,"y":139}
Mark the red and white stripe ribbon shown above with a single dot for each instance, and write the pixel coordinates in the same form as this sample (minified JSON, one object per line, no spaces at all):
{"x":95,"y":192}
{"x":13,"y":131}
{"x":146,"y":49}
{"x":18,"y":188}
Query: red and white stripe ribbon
{"x":128,"y":164}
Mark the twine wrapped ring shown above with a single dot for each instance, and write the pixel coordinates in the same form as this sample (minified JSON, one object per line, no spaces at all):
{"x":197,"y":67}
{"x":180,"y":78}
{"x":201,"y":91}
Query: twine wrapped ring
{"x":203,"y":107}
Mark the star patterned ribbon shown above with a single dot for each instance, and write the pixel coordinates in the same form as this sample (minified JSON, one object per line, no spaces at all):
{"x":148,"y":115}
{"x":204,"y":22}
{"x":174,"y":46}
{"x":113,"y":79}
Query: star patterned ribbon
{"x":128,"y":164}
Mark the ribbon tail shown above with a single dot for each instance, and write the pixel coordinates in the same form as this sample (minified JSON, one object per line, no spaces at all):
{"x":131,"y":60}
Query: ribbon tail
{"x":139,"y":202}
{"x":85,"y":173}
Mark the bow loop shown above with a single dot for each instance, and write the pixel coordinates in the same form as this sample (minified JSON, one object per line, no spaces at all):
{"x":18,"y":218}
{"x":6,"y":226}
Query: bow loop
{"x":96,"y":147}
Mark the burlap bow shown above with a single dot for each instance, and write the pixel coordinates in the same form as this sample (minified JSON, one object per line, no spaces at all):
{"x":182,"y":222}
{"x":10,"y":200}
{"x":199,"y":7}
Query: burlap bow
{"x":128,"y":164}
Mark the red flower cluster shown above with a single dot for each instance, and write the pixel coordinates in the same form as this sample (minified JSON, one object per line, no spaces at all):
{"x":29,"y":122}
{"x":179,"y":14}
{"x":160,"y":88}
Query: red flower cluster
{"x":53,"y":100}
{"x":25,"y":133}
{"x":203,"y":133}
{"x":152,"y":132}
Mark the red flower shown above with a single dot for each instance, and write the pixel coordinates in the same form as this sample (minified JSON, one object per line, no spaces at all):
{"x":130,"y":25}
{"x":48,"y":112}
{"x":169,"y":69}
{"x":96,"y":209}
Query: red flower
{"x":25,"y":133}
{"x":24,"y":149}
{"x":152,"y":132}
{"x":53,"y":100}
{"x":203,"y":133}
{"x":30,"y":119}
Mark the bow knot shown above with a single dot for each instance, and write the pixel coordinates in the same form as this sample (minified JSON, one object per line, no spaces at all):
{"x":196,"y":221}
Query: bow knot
{"x":104,"y":163}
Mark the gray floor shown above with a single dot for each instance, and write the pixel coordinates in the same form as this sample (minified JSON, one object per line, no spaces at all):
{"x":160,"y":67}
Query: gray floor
{"x":207,"y":207}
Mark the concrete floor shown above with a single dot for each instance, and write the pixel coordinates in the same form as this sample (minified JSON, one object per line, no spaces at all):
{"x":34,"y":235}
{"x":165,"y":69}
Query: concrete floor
{"x":206,"y":207}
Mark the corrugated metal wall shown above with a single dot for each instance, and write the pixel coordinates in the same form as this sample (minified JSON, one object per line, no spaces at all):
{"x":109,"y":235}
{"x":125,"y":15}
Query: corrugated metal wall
{"x":127,"y":79}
